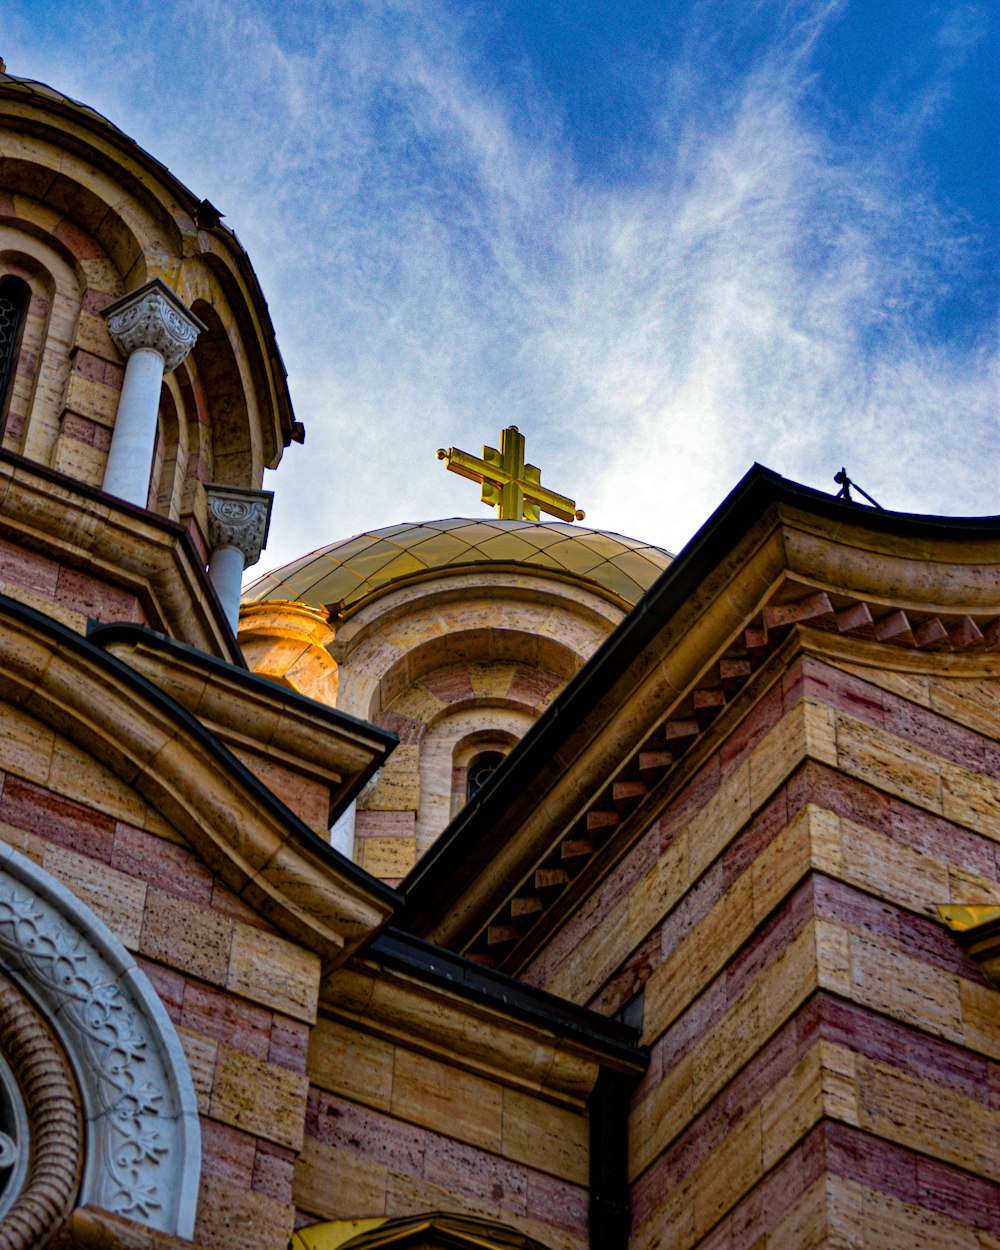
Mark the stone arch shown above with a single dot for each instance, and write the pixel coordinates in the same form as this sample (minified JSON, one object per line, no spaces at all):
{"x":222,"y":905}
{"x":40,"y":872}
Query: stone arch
{"x":235,"y":456}
{"x":433,"y":1230}
{"x":142,"y":1155}
{"x":55,"y":296}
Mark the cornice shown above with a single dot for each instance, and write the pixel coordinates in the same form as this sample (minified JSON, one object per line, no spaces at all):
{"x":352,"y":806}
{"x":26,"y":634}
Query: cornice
{"x":248,"y":712}
{"x":238,"y":827}
{"x":125,"y":546}
{"x":591,"y":775}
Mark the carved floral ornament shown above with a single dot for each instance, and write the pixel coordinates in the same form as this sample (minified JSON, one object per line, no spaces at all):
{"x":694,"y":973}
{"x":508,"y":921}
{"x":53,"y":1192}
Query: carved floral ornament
{"x":238,"y":518}
{"x":142,"y":1153}
{"x":153,"y":317}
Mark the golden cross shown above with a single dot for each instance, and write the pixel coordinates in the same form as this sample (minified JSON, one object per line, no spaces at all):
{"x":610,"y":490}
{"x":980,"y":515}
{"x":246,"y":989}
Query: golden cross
{"x":509,"y":485}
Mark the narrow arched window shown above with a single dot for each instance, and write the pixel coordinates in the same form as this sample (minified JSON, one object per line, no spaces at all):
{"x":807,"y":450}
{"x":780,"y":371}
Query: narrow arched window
{"x":14,"y":297}
{"x":480,"y":770}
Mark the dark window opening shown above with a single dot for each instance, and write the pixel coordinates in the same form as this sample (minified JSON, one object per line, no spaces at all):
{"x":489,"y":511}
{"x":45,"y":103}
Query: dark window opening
{"x":480,"y":770}
{"x":14,"y":296}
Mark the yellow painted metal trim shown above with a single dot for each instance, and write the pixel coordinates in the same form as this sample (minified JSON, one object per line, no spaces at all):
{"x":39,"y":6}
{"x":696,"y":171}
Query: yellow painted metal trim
{"x":334,"y":1233}
{"x":964,"y":919}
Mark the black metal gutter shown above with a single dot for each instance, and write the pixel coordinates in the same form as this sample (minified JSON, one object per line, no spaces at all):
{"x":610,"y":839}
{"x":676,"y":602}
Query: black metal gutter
{"x":458,"y":856}
{"x":103,"y":634}
{"x":67,"y":639}
{"x":432,"y":964}
{"x":55,"y":478}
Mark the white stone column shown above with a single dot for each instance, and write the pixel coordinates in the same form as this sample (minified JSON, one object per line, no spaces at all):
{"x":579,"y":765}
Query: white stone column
{"x":154,"y":332}
{"x":237,"y":531}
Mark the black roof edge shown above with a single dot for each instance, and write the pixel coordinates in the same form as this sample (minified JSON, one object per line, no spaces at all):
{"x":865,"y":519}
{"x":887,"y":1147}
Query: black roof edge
{"x":757,"y":490}
{"x":406,"y":953}
{"x":96,"y":495}
{"x":101,"y":634}
{"x":224,"y":757}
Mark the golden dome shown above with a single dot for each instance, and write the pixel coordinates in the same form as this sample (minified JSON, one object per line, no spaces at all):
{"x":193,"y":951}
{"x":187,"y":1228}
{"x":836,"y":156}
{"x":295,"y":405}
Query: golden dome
{"x":339,"y":577}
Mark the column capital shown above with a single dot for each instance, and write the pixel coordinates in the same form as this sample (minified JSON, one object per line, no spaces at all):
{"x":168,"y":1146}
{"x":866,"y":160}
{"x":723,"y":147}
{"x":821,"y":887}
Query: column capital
{"x":153,"y":317}
{"x":238,"y":518}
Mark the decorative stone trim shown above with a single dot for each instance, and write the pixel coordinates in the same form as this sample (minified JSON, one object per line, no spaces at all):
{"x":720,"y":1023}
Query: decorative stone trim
{"x":153,"y":317}
{"x":143,"y":1148}
{"x":421,"y":1232}
{"x":238,"y":518}
{"x":55,"y":1137}
{"x":662,"y":750}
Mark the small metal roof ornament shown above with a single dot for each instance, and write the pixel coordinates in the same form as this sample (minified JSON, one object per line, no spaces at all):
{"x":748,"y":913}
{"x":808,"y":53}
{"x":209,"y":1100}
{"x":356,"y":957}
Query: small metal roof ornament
{"x":845,"y":484}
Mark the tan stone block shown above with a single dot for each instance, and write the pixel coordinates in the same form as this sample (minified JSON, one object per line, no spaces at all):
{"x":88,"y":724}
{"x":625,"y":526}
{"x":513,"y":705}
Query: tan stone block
{"x":114,"y":896}
{"x":915,"y":1113}
{"x":76,"y":621}
{"x":416,"y":703}
{"x":718,"y":822}
{"x":971,"y":799}
{"x":907,"y":988}
{"x":833,"y":956}
{"x":888,"y":869}
{"x":721,"y":1053}
{"x":781,"y":865}
{"x":333,"y":1184}
{"x":268,"y":969}
{"x":232,"y":1217}
{"x":388,"y":858}
{"x":434,"y":1093}
{"x":780,"y":753}
{"x":26,"y":745}
{"x":186,"y":936}
{"x":411,"y":1195}
{"x":259,"y":1097}
{"x":661,"y":1115}
{"x":79,"y":777}
{"x":543,"y":1136}
{"x":398,"y":787}
{"x":727,"y":1174}
{"x":595,"y":958}
{"x":92,"y":336}
{"x":889,"y":763}
{"x":91,"y":399}
{"x":79,"y":460}
{"x":200,"y":1053}
{"x":653,"y":896}
{"x":974,"y":703}
{"x":820,"y":725}
{"x":491,"y":681}
{"x":890,"y":1223}
{"x":792,"y":1107}
{"x":788,"y":981}
{"x":966,"y":887}
{"x":980,"y":1017}
{"x":805,"y":1224}
{"x":840,"y":1082}
{"x":347,"y":1061}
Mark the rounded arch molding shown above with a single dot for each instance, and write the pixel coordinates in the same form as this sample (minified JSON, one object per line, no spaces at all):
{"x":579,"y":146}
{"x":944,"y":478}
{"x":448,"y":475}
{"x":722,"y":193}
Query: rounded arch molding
{"x":143,"y":1144}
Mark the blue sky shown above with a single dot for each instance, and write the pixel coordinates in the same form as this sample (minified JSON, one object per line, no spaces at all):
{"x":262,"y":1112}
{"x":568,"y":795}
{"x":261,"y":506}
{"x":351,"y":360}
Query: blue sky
{"x":666,"y":240}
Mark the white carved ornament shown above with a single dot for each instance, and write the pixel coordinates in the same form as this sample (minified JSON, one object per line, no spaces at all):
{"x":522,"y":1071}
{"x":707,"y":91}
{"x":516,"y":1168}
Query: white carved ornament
{"x":143,"y":1152}
{"x":152,"y":318}
{"x":238,"y":518}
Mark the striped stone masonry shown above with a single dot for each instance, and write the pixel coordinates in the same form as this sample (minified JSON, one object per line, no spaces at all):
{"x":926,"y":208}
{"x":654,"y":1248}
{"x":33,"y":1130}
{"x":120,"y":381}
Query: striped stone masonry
{"x":823,"y":1053}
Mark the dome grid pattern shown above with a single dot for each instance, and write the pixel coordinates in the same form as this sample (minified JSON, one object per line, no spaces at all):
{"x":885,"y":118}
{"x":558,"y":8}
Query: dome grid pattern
{"x":344,"y":573}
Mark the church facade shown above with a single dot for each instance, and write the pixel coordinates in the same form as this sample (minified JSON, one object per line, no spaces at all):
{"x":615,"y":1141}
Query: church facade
{"x":477,"y":883}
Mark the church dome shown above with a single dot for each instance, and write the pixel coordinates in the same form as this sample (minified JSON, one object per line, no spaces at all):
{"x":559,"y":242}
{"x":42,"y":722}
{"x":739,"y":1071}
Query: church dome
{"x":339,"y":577}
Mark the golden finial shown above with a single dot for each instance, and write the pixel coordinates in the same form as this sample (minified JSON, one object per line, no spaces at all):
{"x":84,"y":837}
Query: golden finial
{"x":509,"y":485}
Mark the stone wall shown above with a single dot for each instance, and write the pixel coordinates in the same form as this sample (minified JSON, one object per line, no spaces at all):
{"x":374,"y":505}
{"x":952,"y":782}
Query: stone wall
{"x":821,"y":1050}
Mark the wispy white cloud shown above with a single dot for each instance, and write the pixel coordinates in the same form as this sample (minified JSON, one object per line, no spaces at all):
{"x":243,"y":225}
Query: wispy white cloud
{"x":438,"y":266}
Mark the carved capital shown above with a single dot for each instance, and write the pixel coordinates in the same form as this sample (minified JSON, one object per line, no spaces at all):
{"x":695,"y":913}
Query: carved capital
{"x":153,"y":317}
{"x":238,"y":518}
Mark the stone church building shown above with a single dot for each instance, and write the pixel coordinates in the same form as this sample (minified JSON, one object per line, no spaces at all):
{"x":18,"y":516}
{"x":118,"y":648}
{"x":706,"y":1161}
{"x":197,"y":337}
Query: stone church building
{"x":480,"y":883}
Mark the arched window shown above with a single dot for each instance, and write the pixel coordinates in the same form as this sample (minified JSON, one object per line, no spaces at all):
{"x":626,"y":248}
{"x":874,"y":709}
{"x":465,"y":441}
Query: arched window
{"x":481,"y":767}
{"x":14,"y":297}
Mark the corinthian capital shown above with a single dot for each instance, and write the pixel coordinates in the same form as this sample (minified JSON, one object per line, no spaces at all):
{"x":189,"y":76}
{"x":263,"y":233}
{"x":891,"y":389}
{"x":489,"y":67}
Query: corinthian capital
{"x":238,"y":518}
{"x":153,"y":317}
